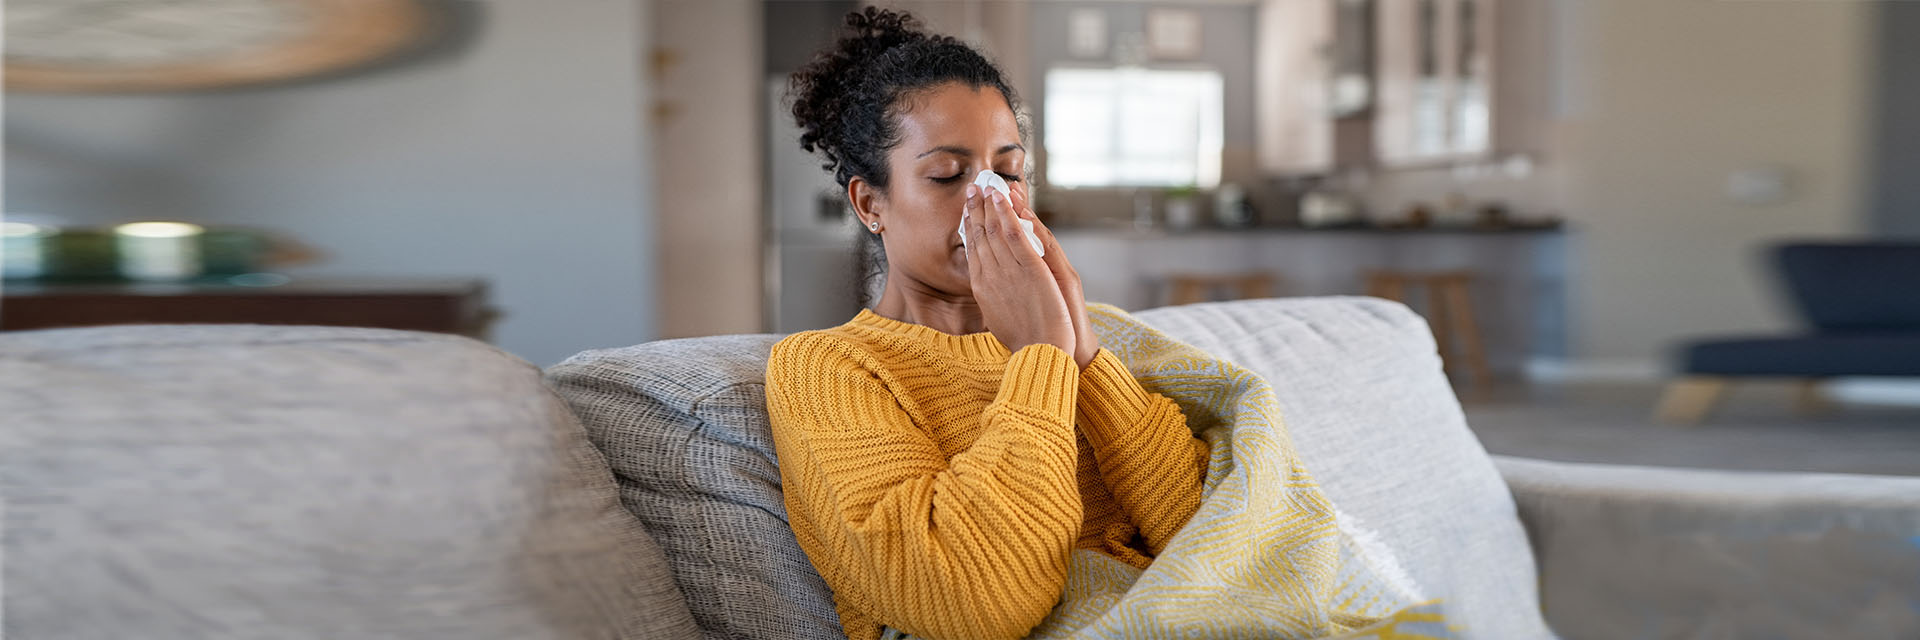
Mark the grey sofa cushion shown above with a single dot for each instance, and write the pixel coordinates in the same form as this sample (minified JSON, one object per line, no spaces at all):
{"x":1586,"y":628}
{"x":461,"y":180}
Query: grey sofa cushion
{"x":1649,"y":552}
{"x":210,"y":482}
{"x":1363,"y":394}
{"x":684,"y":426}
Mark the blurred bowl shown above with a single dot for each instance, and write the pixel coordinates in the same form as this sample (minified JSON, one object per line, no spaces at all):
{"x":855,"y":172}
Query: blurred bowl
{"x":226,"y":252}
{"x":80,"y":254}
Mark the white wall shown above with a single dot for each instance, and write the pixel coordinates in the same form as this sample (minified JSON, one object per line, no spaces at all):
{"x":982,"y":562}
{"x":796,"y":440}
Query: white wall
{"x":1896,"y":138}
{"x":709,"y":157}
{"x":1671,"y":97}
{"x":522,"y":160}
{"x":1645,"y":109}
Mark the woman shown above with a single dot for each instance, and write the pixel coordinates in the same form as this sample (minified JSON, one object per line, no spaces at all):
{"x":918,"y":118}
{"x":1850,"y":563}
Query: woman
{"x":944,"y":452}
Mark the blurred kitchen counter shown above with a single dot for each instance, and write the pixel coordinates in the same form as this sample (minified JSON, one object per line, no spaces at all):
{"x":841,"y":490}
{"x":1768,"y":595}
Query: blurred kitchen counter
{"x":1518,"y":292}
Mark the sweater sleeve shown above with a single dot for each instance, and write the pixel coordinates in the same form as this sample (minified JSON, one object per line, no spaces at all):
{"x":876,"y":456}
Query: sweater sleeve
{"x":975,"y":546}
{"x":1143,"y":449}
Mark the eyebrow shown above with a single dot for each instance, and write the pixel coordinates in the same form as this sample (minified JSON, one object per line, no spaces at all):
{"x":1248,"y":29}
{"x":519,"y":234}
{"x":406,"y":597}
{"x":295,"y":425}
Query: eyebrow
{"x":961,"y":151}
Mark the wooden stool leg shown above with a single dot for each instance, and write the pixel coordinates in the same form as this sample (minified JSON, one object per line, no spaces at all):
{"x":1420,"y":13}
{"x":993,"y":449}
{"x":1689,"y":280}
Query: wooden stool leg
{"x":1437,"y":320}
{"x":1188,"y":291}
{"x":1689,"y":400}
{"x":1394,"y":289}
{"x":1460,"y":304}
{"x":1385,"y":285}
{"x":1254,"y":286}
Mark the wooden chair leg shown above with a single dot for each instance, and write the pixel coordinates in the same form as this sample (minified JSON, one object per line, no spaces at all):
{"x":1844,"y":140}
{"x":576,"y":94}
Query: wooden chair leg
{"x":1688,"y":400}
{"x":1808,"y":399}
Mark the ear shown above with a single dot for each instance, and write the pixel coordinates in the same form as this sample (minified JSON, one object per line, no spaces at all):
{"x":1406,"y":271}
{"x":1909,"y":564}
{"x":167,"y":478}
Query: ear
{"x":868,"y":201}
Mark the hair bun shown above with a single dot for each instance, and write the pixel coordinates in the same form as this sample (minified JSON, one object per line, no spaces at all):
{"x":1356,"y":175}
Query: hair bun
{"x":873,"y":31}
{"x":822,"y":92}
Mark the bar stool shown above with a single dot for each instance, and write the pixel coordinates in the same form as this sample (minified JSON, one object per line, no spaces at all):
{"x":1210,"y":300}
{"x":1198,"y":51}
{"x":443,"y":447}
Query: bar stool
{"x":1191,"y":288}
{"x":1450,"y":313}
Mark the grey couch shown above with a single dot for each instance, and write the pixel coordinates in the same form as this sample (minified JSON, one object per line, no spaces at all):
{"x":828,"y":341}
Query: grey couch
{"x":213,"y":482}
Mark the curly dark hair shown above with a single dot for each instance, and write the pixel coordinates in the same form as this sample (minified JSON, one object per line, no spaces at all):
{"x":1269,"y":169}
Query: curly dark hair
{"x":847,"y":98}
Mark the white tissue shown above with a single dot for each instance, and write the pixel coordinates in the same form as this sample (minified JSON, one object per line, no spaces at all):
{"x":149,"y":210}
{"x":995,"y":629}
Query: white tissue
{"x":990,"y":181}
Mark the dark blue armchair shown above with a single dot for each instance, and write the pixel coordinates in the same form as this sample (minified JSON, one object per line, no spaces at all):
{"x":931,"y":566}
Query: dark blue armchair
{"x":1861,"y":301}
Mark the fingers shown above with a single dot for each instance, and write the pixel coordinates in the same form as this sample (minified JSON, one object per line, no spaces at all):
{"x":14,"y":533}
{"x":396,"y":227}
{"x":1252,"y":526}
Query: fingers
{"x":971,"y":216}
{"x":1024,"y":210}
{"x":1002,"y":231}
{"x":1054,"y":255}
{"x":1056,"y":261}
{"x":974,"y":216}
{"x":1009,"y":230}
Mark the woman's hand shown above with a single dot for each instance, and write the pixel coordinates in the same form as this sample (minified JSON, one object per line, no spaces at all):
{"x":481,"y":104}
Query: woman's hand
{"x":1085,"y":342}
{"x":1018,"y":297}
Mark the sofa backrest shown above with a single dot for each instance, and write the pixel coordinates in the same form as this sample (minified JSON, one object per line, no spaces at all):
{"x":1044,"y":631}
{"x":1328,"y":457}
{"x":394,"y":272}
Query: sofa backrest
{"x":1854,"y":286}
{"x":234,"y":481}
{"x":684,"y":425}
{"x":1362,"y":391}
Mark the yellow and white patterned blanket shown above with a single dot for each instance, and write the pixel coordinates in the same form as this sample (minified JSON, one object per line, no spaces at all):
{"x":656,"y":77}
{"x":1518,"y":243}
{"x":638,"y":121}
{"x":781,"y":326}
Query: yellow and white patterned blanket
{"x":1268,"y":555}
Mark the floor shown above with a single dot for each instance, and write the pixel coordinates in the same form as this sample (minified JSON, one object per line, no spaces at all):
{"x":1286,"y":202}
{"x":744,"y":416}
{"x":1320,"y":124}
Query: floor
{"x":1755,"y":428}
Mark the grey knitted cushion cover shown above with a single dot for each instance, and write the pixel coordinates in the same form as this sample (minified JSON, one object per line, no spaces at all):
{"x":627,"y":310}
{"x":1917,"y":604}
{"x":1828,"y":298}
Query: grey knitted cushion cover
{"x":684,"y":426}
{"x":216,"y":482}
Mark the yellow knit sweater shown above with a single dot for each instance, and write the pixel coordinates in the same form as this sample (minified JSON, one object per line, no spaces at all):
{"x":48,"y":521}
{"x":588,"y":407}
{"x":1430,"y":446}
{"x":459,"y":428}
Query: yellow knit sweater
{"x":939,"y":483}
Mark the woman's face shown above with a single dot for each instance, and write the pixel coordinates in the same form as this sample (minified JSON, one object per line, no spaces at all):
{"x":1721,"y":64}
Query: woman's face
{"x":948,"y":135}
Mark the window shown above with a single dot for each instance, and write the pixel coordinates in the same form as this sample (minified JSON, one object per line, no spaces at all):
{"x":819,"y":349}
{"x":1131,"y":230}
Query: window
{"x":1133,"y":127}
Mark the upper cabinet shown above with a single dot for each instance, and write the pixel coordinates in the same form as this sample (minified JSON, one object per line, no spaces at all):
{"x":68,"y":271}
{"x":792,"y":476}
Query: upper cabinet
{"x":1294,"y":71}
{"x":1398,"y":83}
{"x":1401,"y":83}
{"x":1435,"y":73}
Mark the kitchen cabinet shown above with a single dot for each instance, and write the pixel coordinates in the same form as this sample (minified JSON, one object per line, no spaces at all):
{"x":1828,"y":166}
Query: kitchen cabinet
{"x":1396,"y":84}
{"x":1293,"y":64}
{"x":1435,"y":73}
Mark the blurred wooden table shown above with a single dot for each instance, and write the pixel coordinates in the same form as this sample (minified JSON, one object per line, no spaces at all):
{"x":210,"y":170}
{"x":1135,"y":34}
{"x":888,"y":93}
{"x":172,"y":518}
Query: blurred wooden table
{"x":446,"y":305}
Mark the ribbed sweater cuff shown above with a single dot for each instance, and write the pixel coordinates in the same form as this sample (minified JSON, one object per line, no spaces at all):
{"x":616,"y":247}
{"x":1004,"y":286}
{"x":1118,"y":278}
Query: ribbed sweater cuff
{"x":1044,"y":378}
{"x":1110,"y":398}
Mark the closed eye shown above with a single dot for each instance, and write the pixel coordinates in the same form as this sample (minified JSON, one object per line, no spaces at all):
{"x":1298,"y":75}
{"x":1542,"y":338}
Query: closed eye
{"x":956,"y":177}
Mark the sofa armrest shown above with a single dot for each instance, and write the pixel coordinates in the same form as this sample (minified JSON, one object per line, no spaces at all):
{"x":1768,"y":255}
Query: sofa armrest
{"x":1644,"y":552}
